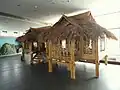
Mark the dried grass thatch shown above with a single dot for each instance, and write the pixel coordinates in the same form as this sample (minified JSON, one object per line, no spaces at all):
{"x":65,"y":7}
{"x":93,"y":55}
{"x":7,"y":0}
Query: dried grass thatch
{"x":74,"y":27}
{"x":64,"y":29}
{"x":21,"y":39}
{"x":94,"y":31}
{"x":91,"y":28}
{"x":33,"y":33}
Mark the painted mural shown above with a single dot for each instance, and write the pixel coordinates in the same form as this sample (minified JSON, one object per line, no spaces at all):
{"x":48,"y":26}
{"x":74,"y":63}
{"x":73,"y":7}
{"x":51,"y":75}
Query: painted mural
{"x":8,"y":45}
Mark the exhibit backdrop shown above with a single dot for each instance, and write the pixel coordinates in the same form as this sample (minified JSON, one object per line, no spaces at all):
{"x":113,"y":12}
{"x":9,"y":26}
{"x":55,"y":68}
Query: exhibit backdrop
{"x":8,"y":45}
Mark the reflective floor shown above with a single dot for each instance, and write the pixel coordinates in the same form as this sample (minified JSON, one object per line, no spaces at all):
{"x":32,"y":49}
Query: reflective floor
{"x":16,"y":75}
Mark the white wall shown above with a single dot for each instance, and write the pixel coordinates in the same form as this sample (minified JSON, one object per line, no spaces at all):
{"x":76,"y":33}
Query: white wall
{"x":110,"y":21}
{"x":11,"y":33}
{"x":102,"y":53}
{"x":112,"y":47}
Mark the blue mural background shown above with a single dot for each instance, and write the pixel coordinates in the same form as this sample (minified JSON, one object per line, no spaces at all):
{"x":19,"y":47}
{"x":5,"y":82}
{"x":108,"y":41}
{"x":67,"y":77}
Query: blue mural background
{"x":10,"y":40}
{"x":8,"y":45}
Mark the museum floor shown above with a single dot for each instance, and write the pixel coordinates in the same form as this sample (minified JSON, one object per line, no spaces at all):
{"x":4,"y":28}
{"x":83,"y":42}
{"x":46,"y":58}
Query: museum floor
{"x":16,"y":75}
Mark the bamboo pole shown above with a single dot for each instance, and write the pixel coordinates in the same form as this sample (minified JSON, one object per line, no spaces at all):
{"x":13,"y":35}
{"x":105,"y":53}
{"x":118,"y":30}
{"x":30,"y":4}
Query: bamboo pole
{"x":50,"y":57}
{"x":47,"y":50}
{"x":59,"y":53}
{"x":23,"y":45}
{"x":82,"y":47}
{"x":72,"y":63}
{"x":96,"y":60}
{"x":23,"y":50}
{"x":30,"y":51}
{"x":68,"y":61}
{"x":73,"y":70}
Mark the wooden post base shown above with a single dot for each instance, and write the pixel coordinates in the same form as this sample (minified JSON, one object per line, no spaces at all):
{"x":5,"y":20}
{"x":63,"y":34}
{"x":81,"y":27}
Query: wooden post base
{"x":97,"y":69}
{"x":97,"y":60}
{"x":49,"y":65}
{"x":72,"y":70}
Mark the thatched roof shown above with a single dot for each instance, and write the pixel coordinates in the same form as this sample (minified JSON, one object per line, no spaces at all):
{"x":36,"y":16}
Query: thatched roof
{"x":91,"y":28}
{"x":21,"y":39}
{"x":63,"y":29}
{"x":74,"y":27}
{"x":33,"y":33}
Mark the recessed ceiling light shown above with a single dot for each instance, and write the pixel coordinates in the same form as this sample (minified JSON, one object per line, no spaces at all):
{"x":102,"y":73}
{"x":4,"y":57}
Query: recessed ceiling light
{"x":18,"y":5}
{"x":65,"y":1}
{"x":68,"y":0}
{"x":35,"y":6}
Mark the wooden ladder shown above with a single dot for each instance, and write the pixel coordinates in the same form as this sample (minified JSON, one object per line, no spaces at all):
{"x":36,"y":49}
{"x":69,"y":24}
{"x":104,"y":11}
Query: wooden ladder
{"x":36,"y":58}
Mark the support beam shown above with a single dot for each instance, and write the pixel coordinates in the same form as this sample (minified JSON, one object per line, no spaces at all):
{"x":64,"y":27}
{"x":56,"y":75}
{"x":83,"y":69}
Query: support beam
{"x":49,"y":57}
{"x":72,"y":62}
{"x":97,"y":60}
{"x":49,"y":65}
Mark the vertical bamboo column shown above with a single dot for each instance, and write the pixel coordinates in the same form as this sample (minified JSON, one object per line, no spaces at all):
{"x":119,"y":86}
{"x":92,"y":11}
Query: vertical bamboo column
{"x":68,"y":61}
{"x":81,"y":47}
{"x":72,"y":50}
{"x":30,"y":52}
{"x":97,"y":59}
{"x":38,"y":45}
{"x":47,"y":50}
{"x":30,"y":46}
{"x":23,"y":45}
{"x":58,"y":52}
{"x":50,"y":57}
{"x":23,"y":50}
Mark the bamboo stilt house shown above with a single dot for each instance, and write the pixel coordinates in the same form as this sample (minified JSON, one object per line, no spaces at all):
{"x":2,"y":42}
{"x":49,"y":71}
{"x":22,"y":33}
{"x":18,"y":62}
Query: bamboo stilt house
{"x":31,"y":36}
{"x":81,"y":34}
{"x":31,"y":42}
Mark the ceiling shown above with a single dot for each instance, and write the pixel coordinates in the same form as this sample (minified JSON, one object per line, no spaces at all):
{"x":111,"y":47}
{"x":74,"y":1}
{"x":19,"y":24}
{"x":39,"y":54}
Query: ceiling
{"x":38,"y":13}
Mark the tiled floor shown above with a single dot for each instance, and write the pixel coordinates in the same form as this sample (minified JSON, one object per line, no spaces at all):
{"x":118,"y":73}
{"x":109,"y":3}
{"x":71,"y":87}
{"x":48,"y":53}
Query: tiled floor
{"x":16,"y":75}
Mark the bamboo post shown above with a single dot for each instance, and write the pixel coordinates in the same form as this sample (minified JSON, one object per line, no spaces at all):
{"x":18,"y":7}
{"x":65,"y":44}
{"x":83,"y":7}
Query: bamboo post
{"x":49,"y":58}
{"x":30,"y":51}
{"x":23,"y":51}
{"x":72,"y":64}
{"x":30,"y":46}
{"x":68,"y":61}
{"x":47,"y":50}
{"x":96,"y":60}
{"x":23,"y":45}
{"x":82,"y":47}
{"x":68,"y":64}
{"x":59,"y":52}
